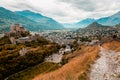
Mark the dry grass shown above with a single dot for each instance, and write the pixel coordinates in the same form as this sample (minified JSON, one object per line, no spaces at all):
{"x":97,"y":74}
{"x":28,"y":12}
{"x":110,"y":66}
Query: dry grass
{"x":76,"y":69}
{"x":114,"y":45}
{"x":31,"y":72}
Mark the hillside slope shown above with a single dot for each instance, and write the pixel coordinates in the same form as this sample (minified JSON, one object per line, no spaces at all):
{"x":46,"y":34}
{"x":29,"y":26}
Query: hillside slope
{"x":8,"y":18}
{"x":76,"y":69}
{"x":49,"y":23}
{"x":110,"y":20}
{"x":95,"y":26}
{"x":85,"y":22}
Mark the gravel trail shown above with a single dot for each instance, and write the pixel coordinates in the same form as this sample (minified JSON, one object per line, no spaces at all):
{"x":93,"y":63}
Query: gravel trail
{"x":107,"y":67}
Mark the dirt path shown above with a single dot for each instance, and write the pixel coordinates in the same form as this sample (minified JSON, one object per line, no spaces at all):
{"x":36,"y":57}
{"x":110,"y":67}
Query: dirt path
{"x":107,"y":67}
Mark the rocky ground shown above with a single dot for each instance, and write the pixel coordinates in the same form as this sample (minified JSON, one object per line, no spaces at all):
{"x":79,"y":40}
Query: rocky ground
{"x":56,"y":58}
{"x":107,"y":67}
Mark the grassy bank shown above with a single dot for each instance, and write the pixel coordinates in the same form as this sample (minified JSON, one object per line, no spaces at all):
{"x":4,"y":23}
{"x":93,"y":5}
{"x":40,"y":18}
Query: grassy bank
{"x":31,"y":72}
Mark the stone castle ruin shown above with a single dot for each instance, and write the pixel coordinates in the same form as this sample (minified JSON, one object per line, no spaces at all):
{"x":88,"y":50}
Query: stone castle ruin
{"x":17,"y":28}
{"x":18,"y":34}
{"x":16,"y":31}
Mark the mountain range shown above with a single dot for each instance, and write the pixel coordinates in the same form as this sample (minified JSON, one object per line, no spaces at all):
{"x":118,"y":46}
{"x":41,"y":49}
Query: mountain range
{"x":80,"y":24}
{"x":30,"y":20}
{"x":43,"y":20}
{"x":37,"y":22}
{"x":108,"y":21}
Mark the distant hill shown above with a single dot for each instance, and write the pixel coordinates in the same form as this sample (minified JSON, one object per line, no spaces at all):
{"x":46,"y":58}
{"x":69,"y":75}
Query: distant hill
{"x":110,"y":20}
{"x":43,"y":20}
{"x":8,"y":18}
{"x":95,"y":26}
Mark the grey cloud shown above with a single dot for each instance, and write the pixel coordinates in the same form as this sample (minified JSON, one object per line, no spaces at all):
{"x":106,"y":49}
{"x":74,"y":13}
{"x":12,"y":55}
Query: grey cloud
{"x":24,"y":6}
{"x":65,"y":10}
{"x":85,"y":5}
{"x":60,"y":13}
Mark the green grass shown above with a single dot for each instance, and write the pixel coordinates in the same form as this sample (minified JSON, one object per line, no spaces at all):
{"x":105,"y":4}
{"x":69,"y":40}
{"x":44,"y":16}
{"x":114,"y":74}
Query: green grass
{"x":31,"y":72}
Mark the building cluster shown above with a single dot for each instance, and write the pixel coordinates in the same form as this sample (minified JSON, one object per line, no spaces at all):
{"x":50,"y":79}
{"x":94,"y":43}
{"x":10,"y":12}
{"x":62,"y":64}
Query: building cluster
{"x":96,"y":34}
{"x":86,"y":36}
{"x":62,"y":38}
{"x":91,"y":36}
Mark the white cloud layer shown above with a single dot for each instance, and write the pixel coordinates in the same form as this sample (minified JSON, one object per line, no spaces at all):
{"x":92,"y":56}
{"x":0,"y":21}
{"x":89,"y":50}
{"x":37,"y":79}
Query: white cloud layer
{"x":65,"y":10}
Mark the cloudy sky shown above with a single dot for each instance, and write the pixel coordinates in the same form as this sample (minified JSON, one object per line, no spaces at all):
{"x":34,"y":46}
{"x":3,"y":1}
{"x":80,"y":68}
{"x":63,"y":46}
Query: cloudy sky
{"x":65,"y":11}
